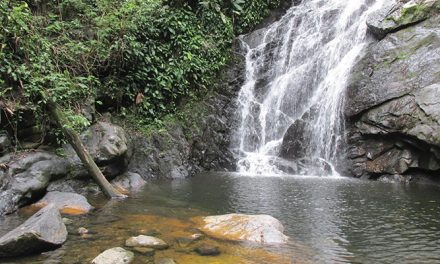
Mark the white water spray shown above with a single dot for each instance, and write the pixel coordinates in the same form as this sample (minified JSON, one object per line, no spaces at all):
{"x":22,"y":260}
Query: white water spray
{"x":300,"y":67}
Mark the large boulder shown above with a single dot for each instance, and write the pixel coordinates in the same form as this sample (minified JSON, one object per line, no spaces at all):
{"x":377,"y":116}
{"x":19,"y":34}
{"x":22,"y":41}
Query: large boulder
{"x":43,"y":231}
{"x":393,"y":105}
{"x":65,"y":202}
{"x":129,"y":181}
{"x":26,"y":176}
{"x":108,"y":145}
{"x":395,"y":15}
{"x":115,"y":255}
{"x":401,"y":63}
{"x":260,"y":229}
{"x":416,"y":114}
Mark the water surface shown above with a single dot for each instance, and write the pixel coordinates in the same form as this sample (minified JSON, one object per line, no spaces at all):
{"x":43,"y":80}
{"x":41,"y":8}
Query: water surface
{"x":330,"y":220}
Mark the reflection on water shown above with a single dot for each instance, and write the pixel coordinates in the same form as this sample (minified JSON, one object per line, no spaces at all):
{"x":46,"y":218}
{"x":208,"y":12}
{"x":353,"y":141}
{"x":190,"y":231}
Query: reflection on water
{"x":329,"y":220}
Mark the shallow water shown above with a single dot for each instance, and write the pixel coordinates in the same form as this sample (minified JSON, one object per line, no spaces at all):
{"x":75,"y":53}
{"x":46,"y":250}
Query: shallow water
{"x":330,"y":220}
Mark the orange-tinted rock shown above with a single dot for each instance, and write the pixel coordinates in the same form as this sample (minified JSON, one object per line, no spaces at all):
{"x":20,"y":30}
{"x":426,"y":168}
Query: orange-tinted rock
{"x":261,"y":229}
{"x":67,"y":203}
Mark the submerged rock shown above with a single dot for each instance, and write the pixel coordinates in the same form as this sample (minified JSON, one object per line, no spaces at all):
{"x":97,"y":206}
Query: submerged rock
{"x":165,"y":261}
{"x":43,"y":231}
{"x":129,"y":181}
{"x":146,"y":241}
{"x":261,"y":229}
{"x":66,"y":202}
{"x":207,"y":250}
{"x":144,"y":251}
{"x":115,"y":255}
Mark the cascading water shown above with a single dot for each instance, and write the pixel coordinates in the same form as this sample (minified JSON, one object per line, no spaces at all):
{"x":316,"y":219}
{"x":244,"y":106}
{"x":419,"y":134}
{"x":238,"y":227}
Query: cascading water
{"x":296,"y":74}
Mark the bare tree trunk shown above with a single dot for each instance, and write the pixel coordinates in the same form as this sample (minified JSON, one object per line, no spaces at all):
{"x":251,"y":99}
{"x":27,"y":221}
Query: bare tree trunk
{"x":82,"y":152}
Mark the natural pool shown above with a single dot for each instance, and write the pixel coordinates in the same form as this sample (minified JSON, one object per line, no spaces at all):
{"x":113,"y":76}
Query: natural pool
{"x":329,"y":220}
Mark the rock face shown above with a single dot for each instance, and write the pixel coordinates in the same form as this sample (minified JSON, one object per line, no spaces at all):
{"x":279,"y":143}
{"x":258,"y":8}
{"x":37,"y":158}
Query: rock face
{"x":115,"y":255}
{"x":26,"y":177}
{"x":401,"y":63}
{"x":108,"y":145}
{"x":199,"y":142}
{"x":146,"y":241}
{"x":5,"y":142}
{"x":400,"y":14}
{"x":44,"y":231}
{"x":393,"y":105}
{"x":261,"y":229}
{"x":66,"y":202}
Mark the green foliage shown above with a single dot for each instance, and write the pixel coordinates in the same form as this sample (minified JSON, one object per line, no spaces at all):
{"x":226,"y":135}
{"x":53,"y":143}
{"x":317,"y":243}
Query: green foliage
{"x":141,"y":58}
{"x":253,"y":13}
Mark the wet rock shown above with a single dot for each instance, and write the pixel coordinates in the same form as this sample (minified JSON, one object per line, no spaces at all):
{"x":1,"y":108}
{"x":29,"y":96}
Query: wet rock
{"x":295,"y":140}
{"x":416,"y":114}
{"x":207,"y":250}
{"x":67,"y":221}
{"x":115,"y":255}
{"x":129,"y":181}
{"x":393,"y":104}
{"x":80,"y":186}
{"x":149,"y":252}
{"x":43,"y":231}
{"x":261,"y":229}
{"x":66,"y":202}
{"x":5,"y":142}
{"x":398,"y":65}
{"x":186,"y":241}
{"x":27,"y":176}
{"x":146,"y":241}
{"x":396,"y":15}
{"x":82,"y":231}
{"x":165,"y":261}
{"x":198,"y":142}
{"x":108,"y":145}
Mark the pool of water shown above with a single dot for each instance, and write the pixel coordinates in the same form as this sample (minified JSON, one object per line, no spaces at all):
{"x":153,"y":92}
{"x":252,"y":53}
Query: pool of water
{"x":329,"y":220}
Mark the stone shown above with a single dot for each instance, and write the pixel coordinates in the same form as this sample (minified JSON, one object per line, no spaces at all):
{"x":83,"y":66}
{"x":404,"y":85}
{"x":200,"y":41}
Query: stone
{"x":66,"y":202}
{"x":186,"y":241}
{"x":115,"y":255}
{"x":107,"y":144}
{"x":398,"y":65}
{"x":198,"y":142}
{"x":260,"y":229}
{"x":27,"y":176}
{"x":207,"y":250}
{"x":393,"y":105}
{"x":67,"y":221}
{"x":149,"y":252}
{"x":165,"y":261}
{"x":395,"y":15}
{"x":82,"y":231}
{"x":129,"y":181}
{"x":146,"y":241}
{"x":43,"y":231}
{"x":5,"y":142}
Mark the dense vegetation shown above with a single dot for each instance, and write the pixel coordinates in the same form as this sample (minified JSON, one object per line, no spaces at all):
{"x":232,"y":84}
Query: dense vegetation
{"x":136,"y":57}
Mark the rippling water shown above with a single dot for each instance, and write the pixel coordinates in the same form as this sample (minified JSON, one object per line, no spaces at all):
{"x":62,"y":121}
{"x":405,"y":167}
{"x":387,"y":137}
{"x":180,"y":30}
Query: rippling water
{"x":342,"y":220}
{"x":330,"y":220}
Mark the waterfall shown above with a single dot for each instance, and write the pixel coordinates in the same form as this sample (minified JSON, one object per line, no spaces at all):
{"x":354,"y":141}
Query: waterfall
{"x":296,"y":74}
